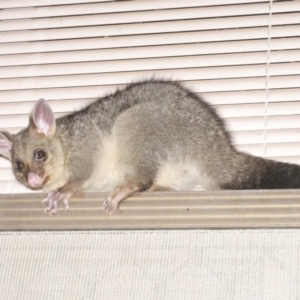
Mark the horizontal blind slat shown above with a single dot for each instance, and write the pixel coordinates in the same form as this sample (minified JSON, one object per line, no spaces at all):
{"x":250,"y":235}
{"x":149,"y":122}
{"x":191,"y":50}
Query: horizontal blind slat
{"x":231,"y":67}
{"x":148,"y":16}
{"x":258,"y":109}
{"x":208,"y":75}
{"x":171,"y":39}
{"x":4,"y":163}
{"x":57,"y":93}
{"x":36,"y":3}
{"x":257,"y":123}
{"x":142,"y":52}
{"x":282,"y":19}
{"x":11,"y":187}
{"x":203,"y":26}
{"x":134,"y":41}
{"x":291,"y":81}
{"x":285,"y":6}
{"x":57,"y":106}
{"x":160,"y":52}
{"x":97,"y":91}
{"x":225,"y":50}
{"x":289,"y":149}
{"x":126,"y":77}
{"x":107,"y":7}
{"x":151,"y":64}
{"x":240,"y":97}
{"x":189,"y":37}
{"x":284,"y":31}
{"x":277,"y":136}
{"x":291,"y":68}
{"x":227,"y":96}
{"x":16,"y":120}
{"x":284,"y":43}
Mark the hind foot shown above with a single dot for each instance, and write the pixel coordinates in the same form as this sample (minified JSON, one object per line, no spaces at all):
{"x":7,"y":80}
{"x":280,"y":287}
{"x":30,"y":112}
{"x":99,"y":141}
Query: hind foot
{"x":111,"y":203}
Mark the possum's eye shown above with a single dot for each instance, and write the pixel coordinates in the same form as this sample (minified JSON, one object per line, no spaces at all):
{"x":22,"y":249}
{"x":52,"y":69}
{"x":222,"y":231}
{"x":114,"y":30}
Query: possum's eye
{"x":40,"y":155}
{"x":19,"y":166}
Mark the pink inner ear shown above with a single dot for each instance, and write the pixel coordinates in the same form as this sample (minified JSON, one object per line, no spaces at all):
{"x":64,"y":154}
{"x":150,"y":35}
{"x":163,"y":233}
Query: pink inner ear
{"x":5,"y":146}
{"x":43,"y":117}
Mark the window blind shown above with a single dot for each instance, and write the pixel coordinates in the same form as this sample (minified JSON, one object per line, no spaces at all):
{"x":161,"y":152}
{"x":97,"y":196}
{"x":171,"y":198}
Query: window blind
{"x":242,"y":56}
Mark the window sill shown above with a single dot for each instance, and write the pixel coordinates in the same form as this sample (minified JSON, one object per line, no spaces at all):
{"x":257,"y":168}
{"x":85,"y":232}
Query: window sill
{"x":168,"y":210}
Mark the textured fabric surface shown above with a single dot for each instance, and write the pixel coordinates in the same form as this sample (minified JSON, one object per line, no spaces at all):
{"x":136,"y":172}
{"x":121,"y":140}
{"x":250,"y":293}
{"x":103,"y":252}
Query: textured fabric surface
{"x":127,"y":265}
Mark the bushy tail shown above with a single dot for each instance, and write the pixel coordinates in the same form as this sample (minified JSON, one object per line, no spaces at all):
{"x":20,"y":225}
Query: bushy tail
{"x":258,"y":173}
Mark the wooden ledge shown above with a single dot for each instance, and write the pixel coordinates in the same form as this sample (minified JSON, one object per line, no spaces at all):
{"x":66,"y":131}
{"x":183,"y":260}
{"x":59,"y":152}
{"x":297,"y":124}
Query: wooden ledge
{"x":220,"y":209}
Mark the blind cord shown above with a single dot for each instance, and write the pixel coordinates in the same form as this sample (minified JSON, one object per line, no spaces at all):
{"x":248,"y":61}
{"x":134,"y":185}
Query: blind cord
{"x":267,"y":80}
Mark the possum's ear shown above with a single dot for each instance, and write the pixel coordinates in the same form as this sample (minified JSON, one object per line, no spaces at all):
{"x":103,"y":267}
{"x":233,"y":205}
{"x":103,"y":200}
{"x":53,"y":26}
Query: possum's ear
{"x":5,"y":144}
{"x":43,"y":119}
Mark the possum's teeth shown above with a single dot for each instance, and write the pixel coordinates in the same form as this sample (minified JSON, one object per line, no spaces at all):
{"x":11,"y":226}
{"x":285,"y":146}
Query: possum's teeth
{"x":34,"y":180}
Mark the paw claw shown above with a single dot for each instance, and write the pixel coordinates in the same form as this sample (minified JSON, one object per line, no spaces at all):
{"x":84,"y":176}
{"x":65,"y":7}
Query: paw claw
{"x":47,"y":209}
{"x":52,"y":200}
{"x":109,"y":207}
{"x":114,"y":212}
{"x":53,"y":212}
{"x":66,"y":205}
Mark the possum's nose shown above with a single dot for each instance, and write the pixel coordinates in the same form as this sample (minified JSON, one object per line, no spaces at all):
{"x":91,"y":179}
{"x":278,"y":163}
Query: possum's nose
{"x":34,"y":180}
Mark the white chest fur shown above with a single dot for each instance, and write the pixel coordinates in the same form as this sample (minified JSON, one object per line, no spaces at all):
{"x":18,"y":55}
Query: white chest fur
{"x":107,"y":171}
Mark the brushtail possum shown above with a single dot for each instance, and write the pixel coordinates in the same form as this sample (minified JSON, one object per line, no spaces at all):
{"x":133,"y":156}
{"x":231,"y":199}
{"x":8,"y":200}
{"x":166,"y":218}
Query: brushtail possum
{"x":153,"y":135}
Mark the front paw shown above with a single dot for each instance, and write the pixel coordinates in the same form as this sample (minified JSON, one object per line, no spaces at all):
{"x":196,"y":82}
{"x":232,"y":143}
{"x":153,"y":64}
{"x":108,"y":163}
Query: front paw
{"x":53,"y":199}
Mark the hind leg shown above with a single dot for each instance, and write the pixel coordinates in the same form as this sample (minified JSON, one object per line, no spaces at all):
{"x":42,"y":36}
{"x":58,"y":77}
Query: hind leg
{"x":175,"y":176}
{"x":121,"y":192}
{"x":159,"y":188}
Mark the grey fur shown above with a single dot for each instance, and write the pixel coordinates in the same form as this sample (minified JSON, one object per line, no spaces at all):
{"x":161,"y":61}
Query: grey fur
{"x":155,"y":129}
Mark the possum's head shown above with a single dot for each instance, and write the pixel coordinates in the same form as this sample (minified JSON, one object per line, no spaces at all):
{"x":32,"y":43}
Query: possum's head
{"x":36,"y":151}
